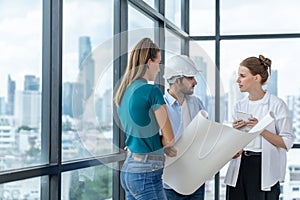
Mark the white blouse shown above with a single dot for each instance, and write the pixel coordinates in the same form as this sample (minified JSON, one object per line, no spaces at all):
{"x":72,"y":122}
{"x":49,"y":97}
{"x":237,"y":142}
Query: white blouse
{"x":273,"y":158}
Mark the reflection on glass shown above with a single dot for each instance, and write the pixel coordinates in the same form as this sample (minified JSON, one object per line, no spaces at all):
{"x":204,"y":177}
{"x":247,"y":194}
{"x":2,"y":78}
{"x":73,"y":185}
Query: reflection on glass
{"x":87,"y":57}
{"x":20,"y":93}
{"x":284,"y":80}
{"x":88,"y":183}
{"x":173,"y":11}
{"x":25,"y":189}
{"x":203,"y":55}
{"x":172,"y":48}
{"x":202,"y":17}
{"x":172,"y":45}
{"x":139,"y":26}
{"x":256,"y":17}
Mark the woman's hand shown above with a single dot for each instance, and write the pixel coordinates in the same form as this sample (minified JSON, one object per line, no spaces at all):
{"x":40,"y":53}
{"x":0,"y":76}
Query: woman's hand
{"x":170,"y":151}
{"x":237,"y":154}
{"x":252,"y":121}
{"x":237,"y":124}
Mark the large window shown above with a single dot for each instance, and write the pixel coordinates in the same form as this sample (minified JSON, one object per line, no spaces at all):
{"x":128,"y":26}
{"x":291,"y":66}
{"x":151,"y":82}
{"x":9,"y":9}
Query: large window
{"x":259,"y":17}
{"x":202,"y":17}
{"x":21,"y":85}
{"x":87,"y":73}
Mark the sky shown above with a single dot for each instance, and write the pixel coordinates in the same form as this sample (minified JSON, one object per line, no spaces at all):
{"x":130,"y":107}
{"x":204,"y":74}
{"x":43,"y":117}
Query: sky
{"x":20,"y":41}
{"x":21,"y":35}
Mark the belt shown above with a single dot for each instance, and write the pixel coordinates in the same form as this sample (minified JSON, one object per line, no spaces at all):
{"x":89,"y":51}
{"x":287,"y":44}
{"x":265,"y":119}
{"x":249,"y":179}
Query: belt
{"x":251,"y":153}
{"x":140,"y":157}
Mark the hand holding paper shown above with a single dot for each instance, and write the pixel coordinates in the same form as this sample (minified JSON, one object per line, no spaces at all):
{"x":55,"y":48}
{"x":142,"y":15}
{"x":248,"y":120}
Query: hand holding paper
{"x":203,"y":149}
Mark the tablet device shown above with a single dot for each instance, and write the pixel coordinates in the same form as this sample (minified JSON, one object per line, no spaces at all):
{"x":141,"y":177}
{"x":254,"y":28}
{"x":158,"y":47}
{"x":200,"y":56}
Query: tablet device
{"x":244,"y":116}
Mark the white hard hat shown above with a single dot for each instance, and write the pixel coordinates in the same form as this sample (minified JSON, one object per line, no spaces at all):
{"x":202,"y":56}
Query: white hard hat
{"x":179,"y":66}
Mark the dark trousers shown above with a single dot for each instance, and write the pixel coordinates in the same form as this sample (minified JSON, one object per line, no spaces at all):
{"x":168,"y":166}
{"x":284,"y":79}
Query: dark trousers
{"x":248,"y":186}
{"x":197,"y":195}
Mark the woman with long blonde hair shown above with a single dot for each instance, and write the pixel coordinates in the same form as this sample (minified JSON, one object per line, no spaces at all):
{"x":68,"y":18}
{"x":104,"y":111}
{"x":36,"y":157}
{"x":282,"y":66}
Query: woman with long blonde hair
{"x":142,"y":112}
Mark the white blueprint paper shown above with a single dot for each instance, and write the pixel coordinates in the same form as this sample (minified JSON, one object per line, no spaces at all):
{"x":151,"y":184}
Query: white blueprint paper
{"x":203,"y":149}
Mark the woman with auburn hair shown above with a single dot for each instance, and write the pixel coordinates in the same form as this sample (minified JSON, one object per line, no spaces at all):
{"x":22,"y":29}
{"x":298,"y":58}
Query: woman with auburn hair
{"x":142,"y":112}
{"x":254,"y":173}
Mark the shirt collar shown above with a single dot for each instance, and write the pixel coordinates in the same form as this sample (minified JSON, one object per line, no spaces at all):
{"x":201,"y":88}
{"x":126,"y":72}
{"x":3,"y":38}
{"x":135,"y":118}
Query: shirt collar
{"x":142,"y":80}
{"x":265,"y":99}
{"x":171,"y":99}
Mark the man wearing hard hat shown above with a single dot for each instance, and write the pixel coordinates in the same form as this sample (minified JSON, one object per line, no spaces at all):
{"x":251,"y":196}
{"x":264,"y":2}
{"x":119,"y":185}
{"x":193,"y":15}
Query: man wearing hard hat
{"x":182,"y":106}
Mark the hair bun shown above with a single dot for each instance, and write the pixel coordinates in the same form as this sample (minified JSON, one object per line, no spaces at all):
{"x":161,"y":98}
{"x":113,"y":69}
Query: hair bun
{"x":265,"y":61}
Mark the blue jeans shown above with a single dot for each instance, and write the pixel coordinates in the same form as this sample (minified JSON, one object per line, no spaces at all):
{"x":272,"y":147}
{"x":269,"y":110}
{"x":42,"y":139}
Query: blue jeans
{"x":142,"y":179}
{"x":197,"y":195}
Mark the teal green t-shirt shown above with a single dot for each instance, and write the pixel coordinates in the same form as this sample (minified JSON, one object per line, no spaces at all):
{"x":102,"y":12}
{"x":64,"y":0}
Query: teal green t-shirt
{"x":136,"y":113}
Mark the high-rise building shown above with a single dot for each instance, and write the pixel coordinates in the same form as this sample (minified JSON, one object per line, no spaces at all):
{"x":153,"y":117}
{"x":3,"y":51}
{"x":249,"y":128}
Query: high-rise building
{"x":86,"y":66}
{"x":2,"y":106}
{"x":77,"y":100}
{"x":85,"y":49}
{"x":28,"y":108}
{"x":11,"y":90}
{"x":201,"y":88}
{"x":290,"y":101}
{"x":108,"y":109}
{"x":294,"y":106}
{"x":7,"y":134}
{"x":31,"y":83}
{"x":99,"y":110}
{"x":67,"y":98}
{"x":28,"y":103}
{"x":272,"y":82}
{"x":234,"y":94}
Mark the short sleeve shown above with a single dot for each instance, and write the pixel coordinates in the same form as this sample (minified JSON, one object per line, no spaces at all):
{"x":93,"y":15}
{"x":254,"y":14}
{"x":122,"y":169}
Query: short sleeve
{"x":156,"y":98}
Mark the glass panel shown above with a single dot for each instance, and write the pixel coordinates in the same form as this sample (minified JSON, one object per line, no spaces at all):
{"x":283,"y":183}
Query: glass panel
{"x":173,"y":11}
{"x":203,"y":54}
{"x":87,"y":78}
{"x":172,"y":48}
{"x":88,"y":183}
{"x":139,"y":26}
{"x":202,"y":17}
{"x":269,"y":16}
{"x":20,"y":78}
{"x":25,"y":189}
